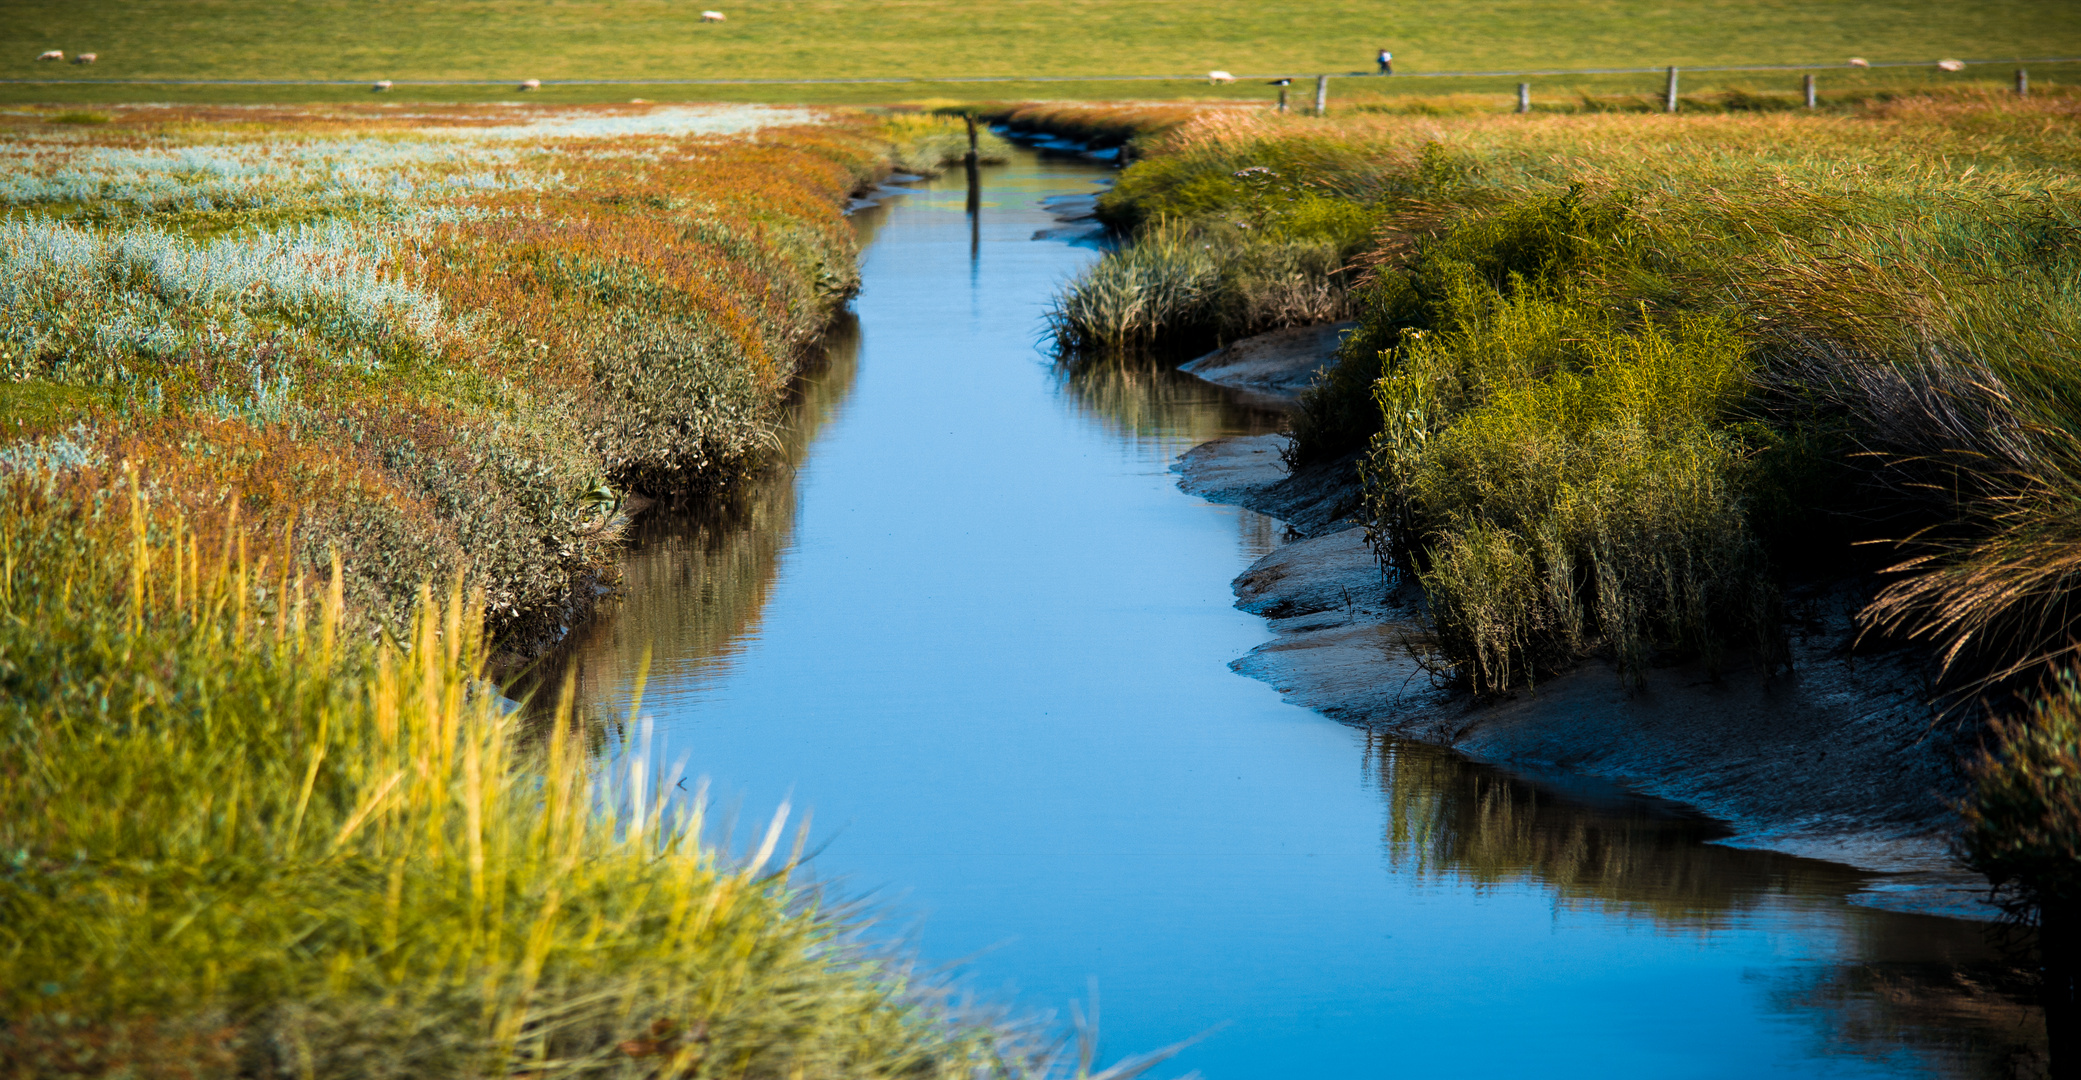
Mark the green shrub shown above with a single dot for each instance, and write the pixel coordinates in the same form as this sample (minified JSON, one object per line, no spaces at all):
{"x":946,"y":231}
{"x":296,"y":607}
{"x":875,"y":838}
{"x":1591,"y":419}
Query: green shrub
{"x":1561,"y":481}
{"x":2023,"y":819}
{"x":2023,"y":830}
{"x":1547,"y":244}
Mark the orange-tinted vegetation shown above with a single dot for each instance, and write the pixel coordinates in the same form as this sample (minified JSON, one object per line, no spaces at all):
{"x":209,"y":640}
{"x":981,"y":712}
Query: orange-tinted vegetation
{"x":486,"y":344}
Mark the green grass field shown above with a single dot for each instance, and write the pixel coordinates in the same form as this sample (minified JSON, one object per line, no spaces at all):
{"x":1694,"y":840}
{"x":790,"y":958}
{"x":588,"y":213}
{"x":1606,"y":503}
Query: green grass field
{"x":939,"y":39}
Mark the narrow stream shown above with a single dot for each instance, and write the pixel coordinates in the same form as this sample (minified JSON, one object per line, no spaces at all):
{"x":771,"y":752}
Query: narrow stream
{"x":978,"y":631}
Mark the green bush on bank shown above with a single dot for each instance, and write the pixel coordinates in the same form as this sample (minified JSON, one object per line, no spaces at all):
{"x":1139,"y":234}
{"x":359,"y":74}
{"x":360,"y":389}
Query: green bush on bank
{"x":2023,"y":830}
{"x":1560,"y":476}
{"x":1562,"y":483}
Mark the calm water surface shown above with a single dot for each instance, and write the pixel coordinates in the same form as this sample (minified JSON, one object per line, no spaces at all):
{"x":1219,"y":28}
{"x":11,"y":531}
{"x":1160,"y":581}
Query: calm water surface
{"x":977,"y":630}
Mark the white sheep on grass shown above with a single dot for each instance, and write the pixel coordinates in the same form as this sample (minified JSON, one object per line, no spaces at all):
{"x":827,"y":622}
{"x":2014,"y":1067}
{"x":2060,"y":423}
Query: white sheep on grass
{"x":531,"y":84}
{"x":51,"y":54}
{"x":711,"y":16}
{"x":1220,"y":77}
{"x":85,"y":58}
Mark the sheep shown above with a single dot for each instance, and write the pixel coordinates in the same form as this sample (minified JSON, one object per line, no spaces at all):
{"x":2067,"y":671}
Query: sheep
{"x":711,"y":16}
{"x":1220,"y":77}
{"x":1950,"y":65}
{"x":1858,"y":61}
{"x":54,"y":54}
{"x":531,"y":84}
{"x":85,"y":58}
{"x":381,"y":85}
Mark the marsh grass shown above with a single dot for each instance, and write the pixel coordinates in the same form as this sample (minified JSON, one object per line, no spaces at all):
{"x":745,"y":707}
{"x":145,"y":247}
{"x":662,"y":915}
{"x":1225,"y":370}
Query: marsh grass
{"x":1881,"y":290}
{"x":424,"y":339}
{"x":276,"y":847}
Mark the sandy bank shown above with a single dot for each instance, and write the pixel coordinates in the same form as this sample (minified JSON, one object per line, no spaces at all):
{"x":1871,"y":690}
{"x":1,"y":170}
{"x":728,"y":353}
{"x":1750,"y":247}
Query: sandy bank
{"x":1834,"y":759}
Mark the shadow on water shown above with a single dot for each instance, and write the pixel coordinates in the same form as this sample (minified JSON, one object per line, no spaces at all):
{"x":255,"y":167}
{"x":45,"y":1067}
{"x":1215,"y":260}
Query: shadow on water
{"x":695,"y":580}
{"x":1493,"y":913}
{"x":1152,"y":402}
{"x":1929,"y":987}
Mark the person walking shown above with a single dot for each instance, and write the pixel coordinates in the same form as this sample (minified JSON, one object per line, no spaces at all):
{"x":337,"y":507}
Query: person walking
{"x":1387,"y":62}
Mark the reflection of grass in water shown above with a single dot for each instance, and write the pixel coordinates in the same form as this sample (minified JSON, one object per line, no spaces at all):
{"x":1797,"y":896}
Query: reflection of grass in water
{"x":695,"y":580}
{"x":1967,"y":1017}
{"x":1146,"y":400}
{"x":1931,"y":985}
{"x":1448,"y":817}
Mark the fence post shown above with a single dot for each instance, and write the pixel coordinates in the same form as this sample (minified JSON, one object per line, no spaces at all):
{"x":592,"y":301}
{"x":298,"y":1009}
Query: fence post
{"x":1524,"y":97}
{"x":2022,"y":83}
{"x":1322,"y":95}
{"x":1810,"y":99}
{"x":1669,"y":96}
{"x":970,"y":117}
{"x":1282,"y":99}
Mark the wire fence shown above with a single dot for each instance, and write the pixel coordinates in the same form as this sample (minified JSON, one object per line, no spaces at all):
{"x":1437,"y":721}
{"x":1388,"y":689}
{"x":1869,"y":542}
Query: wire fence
{"x":1198,"y":77}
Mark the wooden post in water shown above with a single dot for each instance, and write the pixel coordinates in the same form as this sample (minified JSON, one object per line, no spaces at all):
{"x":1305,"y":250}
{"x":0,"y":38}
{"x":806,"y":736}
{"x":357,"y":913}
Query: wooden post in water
{"x":1322,"y":95}
{"x":1810,"y":100}
{"x":1524,"y":97}
{"x":1669,"y":95}
{"x":2022,"y":83}
{"x":974,"y":167}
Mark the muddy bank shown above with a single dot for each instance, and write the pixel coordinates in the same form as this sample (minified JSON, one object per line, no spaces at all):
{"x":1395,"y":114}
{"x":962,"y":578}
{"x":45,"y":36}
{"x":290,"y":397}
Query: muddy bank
{"x":1838,"y":758}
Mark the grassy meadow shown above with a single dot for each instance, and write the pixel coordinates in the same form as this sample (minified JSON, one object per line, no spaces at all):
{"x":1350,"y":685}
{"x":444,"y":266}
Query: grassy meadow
{"x":927,"y":40}
{"x":311,"y":415}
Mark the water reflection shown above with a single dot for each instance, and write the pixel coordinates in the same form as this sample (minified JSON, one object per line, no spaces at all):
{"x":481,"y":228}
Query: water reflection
{"x":1896,"y":988}
{"x":1154,"y":404}
{"x":694,"y":581}
{"x":974,"y":171}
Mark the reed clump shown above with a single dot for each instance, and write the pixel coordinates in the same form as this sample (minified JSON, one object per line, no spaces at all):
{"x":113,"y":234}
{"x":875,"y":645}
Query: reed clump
{"x":1217,"y":257}
{"x":1560,"y":476}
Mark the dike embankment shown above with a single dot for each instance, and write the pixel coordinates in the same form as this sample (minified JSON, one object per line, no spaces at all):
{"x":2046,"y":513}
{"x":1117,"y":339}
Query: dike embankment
{"x":1838,"y":756}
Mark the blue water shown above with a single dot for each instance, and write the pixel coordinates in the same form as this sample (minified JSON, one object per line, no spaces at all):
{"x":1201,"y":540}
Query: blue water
{"x":979,"y":633}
